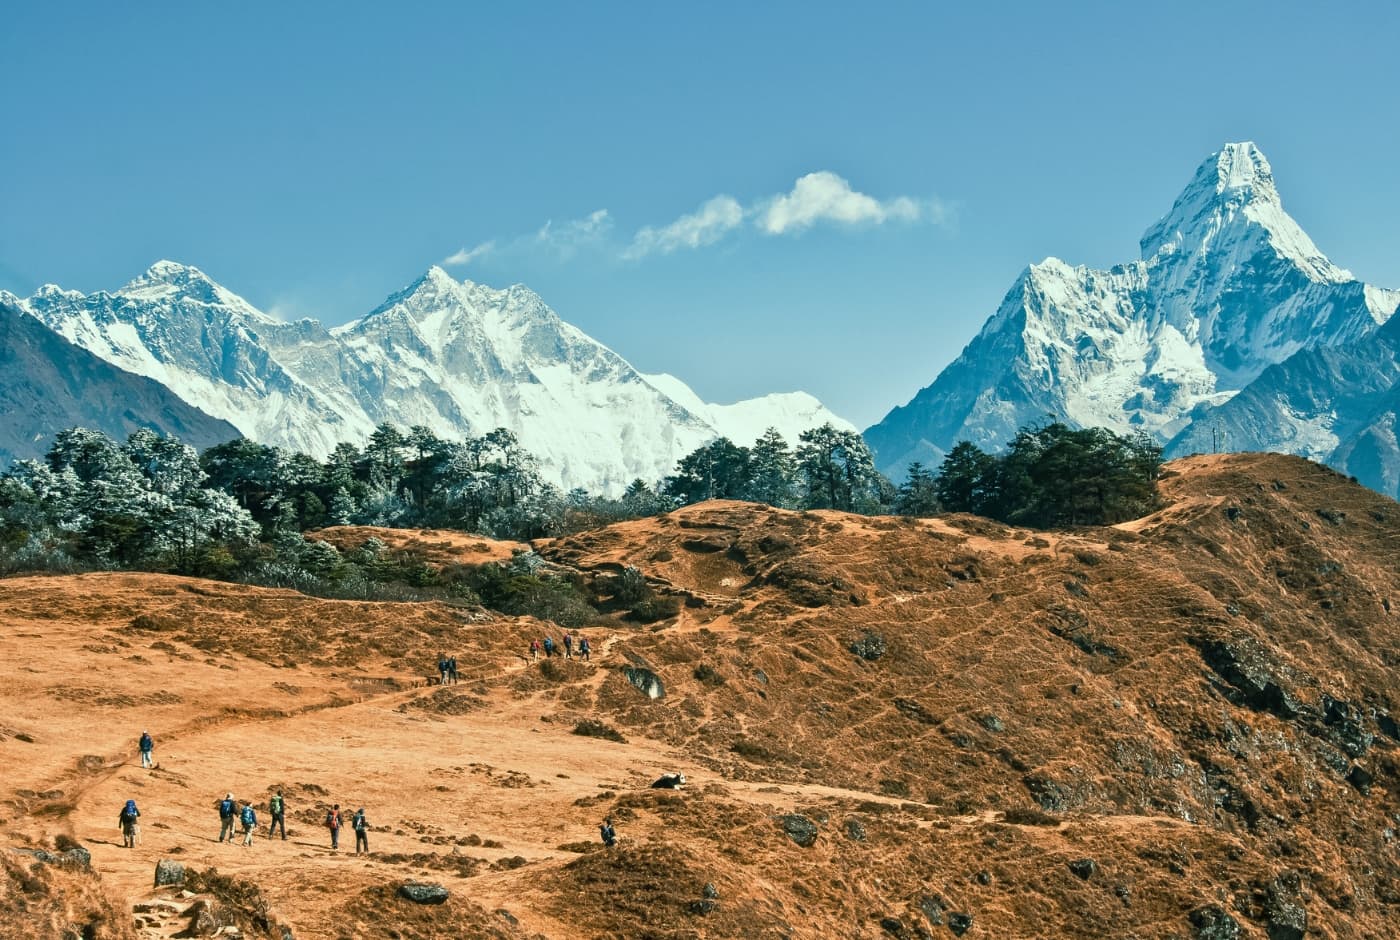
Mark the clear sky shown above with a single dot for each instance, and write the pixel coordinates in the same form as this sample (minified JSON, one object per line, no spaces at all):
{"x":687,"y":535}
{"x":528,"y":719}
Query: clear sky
{"x":753,"y":196}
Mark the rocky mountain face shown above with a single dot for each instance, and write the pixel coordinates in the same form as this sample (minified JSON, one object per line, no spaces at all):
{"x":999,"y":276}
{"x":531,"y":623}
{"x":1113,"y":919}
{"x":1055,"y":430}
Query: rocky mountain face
{"x":457,"y":357}
{"x":48,"y":384}
{"x":1181,"y":726}
{"x":1227,"y":286}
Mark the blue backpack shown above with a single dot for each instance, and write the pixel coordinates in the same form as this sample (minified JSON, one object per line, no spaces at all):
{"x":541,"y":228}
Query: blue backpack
{"x":225,"y":809}
{"x":248,"y":816}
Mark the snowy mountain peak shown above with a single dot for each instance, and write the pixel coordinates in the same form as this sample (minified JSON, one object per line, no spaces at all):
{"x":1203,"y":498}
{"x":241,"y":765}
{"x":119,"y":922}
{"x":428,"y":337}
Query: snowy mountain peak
{"x":1231,"y":210}
{"x":1228,"y":285}
{"x":173,"y":282}
{"x":1242,"y":171}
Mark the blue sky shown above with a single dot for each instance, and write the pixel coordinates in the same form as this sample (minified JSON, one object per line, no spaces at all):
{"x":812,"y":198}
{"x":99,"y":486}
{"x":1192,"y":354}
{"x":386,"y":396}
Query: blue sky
{"x":754,"y":197}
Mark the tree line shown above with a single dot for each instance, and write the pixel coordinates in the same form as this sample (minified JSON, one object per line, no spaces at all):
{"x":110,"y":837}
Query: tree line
{"x":239,"y":508}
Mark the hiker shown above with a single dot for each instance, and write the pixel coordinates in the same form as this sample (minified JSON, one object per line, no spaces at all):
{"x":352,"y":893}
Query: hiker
{"x":278,"y":808}
{"x":250,"y":822}
{"x":226,"y":818}
{"x":126,"y":822}
{"x":442,"y":669}
{"x":608,"y":833}
{"x":361,"y":827}
{"x":548,"y":647}
{"x":333,"y":824}
{"x":452,"y":669}
{"x":583,"y":649}
{"x":568,"y":645}
{"x":146,"y":747}
{"x":534,"y":649}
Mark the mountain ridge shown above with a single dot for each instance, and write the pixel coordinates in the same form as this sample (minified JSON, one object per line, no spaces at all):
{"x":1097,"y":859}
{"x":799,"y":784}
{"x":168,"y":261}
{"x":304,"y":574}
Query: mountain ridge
{"x":458,"y":357}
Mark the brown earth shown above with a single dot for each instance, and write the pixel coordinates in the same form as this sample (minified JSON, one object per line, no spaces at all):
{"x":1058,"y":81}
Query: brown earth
{"x":1202,"y":702}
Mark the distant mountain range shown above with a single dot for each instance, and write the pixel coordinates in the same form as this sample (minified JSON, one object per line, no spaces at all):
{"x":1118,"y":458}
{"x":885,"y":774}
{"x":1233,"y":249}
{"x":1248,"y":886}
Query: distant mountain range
{"x":1233,"y":331}
{"x":457,"y":357}
{"x":48,"y":384}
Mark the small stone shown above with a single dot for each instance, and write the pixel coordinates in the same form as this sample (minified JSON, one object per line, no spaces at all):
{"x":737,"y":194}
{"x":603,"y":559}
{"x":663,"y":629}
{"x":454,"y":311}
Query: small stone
{"x":423,"y":893}
{"x":799,"y":829}
{"x":855,"y":830}
{"x":959,"y":923}
{"x":1084,"y":867}
{"x":1360,"y":778}
{"x":933,"y":909}
{"x":710,"y":891}
{"x":169,"y":873}
{"x":892,"y":925}
{"x":984,"y":877}
{"x":1213,"y":923}
{"x":702,"y":907}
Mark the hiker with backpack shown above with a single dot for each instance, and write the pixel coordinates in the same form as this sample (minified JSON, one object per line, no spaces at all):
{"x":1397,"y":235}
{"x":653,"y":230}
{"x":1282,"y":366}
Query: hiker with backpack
{"x":608,"y":833}
{"x":534,"y":649}
{"x":361,"y":827}
{"x":548,"y":647}
{"x":277,"y":807}
{"x":333,"y":824}
{"x":583,"y":648}
{"x":146,"y":746}
{"x":442,"y":669}
{"x":126,"y":822}
{"x":568,"y":645}
{"x":228,"y":812}
{"x":249,"y":817}
{"x":452,"y":669}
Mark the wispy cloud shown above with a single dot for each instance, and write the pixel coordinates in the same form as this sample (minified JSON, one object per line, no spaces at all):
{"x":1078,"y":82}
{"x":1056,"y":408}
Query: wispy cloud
{"x":468,"y":255}
{"x":825,"y":197}
{"x":569,"y":236}
{"x":820,"y":197}
{"x":705,"y":226}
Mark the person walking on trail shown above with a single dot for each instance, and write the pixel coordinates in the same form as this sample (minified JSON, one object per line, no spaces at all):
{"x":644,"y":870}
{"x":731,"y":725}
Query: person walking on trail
{"x":146,"y":746}
{"x":361,"y":827}
{"x":534,"y":649}
{"x":249,"y":817}
{"x":608,"y":833}
{"x":583,"y":649}
{"x":126,"y":822}
{"x":277,"y":807}
{"x":568,"y":645}
{"x":333,"y":824}
{"x":442,"y":669}
{"x":548,"y":647}
{"x":452,"y":669}
{"x":228,"y":813}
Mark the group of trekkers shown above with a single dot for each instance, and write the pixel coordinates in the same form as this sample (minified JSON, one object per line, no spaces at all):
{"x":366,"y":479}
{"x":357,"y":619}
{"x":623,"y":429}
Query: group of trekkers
{"x":234,"y":814}
{"x":551,"y":648}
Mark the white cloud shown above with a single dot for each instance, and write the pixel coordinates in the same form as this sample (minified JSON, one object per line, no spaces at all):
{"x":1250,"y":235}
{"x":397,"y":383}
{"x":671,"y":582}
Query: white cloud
{"x":468,"y":255}
{"x":824,"y":196}
{"x":567,"y":237}
{"x":705,"y":226}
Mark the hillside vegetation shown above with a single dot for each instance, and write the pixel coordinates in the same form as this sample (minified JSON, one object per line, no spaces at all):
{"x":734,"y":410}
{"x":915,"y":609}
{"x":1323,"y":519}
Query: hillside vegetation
{"x":1183,"y":725}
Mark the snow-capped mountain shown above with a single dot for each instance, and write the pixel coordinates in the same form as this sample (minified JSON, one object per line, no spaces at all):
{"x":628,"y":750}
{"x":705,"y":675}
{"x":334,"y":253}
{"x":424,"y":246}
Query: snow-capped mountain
{"x":1226,"y":286}
{"x":1333,"y":404}
{"x":457,"y":357}
{"x":48,"y":384}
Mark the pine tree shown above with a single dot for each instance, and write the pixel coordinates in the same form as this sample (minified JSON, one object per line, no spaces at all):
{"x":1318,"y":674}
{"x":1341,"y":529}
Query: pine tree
{"x":771,"y":471}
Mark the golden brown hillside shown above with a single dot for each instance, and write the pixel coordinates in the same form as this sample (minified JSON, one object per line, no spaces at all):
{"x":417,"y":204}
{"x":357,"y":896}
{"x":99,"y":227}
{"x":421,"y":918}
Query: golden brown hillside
{"x":1185,"y":727}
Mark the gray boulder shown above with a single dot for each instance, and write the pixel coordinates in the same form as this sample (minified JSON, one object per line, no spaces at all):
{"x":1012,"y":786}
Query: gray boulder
{"x":799,"y":829}
{"x":423,"y":893}
{"x":169,"y":872}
